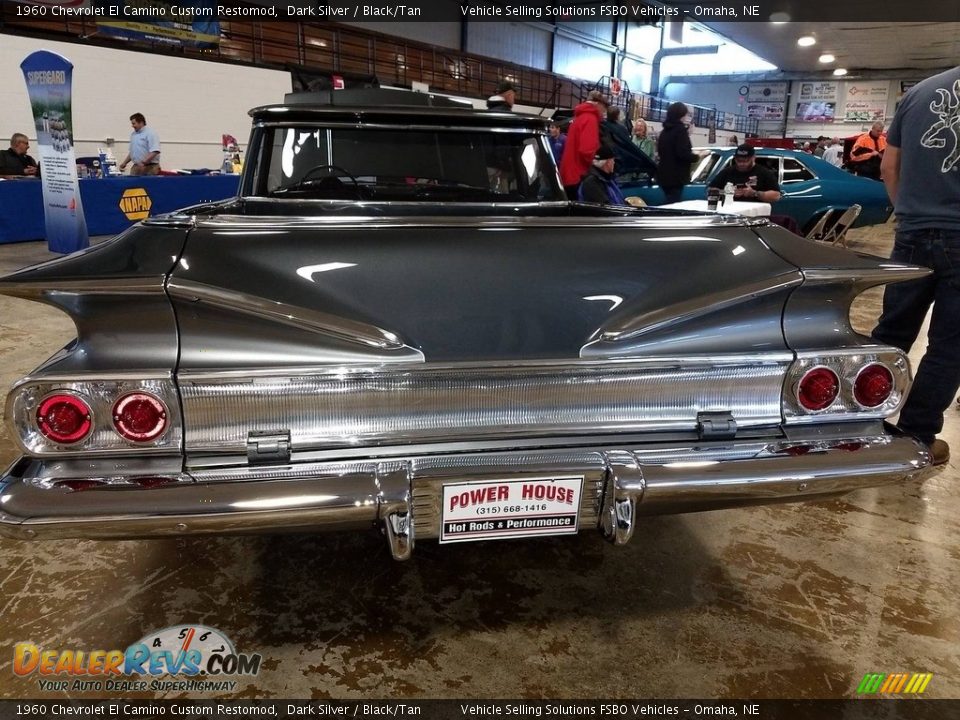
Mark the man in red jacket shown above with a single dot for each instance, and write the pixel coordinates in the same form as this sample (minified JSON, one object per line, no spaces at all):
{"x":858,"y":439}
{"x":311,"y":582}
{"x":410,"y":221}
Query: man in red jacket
{"x":583,"y":140}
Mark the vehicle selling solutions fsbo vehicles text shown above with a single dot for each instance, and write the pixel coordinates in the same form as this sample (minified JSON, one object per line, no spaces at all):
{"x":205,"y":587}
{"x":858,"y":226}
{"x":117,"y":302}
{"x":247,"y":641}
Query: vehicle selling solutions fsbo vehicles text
{"x":567,"y":11}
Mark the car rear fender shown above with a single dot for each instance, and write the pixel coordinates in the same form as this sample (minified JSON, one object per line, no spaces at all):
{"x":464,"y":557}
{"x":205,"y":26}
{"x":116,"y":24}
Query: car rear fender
{"x":111,"y":290}
{"x":817,"y":313}
{"x":127,"y":342}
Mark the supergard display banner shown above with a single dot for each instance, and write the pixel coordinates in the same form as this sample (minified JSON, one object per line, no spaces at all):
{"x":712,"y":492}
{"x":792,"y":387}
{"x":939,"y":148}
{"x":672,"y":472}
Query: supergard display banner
{"x":48,"y":77}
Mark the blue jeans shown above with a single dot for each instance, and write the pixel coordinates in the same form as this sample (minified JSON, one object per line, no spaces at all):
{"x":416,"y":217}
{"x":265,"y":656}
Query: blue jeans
{"x":904,"y":307}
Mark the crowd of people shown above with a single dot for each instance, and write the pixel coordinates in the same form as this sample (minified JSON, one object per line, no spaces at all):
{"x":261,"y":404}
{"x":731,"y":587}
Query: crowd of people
{"x":918,"y":169}
{"x":143,"y":156}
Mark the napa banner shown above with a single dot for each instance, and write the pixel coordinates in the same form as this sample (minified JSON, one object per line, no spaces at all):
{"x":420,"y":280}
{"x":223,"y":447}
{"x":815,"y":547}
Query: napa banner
{"x":48,"y":77}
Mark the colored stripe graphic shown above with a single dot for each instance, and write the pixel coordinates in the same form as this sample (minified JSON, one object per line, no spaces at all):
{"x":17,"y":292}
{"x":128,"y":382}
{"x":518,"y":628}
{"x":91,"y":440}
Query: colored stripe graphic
{"x":894,"y":683}
{"x":870,"y":684}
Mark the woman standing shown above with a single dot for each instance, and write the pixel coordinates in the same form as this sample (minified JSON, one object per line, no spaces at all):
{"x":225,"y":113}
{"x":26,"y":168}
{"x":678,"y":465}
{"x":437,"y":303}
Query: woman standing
{"x":641,"y":140}
{"x":676,"y":153}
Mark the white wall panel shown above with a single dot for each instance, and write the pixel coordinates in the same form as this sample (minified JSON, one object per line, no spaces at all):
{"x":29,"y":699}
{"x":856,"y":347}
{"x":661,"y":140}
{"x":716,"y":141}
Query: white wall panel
{"x":579,"y":60}
{"x":602,"y":31}
{"x":642,"y":40}
{"x":636,"y":75}
{"x":189,"y":103}
{"x":516,"y":43}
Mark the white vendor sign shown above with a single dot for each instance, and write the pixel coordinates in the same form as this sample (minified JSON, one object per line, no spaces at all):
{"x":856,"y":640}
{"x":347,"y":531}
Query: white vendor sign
{"x":510,"y":508}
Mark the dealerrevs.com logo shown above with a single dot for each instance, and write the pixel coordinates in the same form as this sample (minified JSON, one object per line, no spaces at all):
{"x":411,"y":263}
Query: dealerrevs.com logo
{"x":186,"y":651}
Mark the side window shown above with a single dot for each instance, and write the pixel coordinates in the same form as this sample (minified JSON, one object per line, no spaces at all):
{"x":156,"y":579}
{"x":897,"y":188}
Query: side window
{"x":796,"y":171}
{"x":771,"y":163}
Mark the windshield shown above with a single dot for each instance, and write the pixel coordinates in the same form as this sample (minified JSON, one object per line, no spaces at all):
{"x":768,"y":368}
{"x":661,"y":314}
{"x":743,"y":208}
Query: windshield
{"x":703,"y":166}
{"x":397,"y":164}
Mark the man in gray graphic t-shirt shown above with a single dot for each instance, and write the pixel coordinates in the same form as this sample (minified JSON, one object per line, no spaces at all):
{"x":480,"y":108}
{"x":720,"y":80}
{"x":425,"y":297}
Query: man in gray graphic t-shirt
{"x":921,"y":170}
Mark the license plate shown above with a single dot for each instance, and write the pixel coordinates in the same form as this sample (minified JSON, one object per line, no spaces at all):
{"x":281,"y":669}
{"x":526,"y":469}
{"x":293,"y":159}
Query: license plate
{"x":510,"y":508}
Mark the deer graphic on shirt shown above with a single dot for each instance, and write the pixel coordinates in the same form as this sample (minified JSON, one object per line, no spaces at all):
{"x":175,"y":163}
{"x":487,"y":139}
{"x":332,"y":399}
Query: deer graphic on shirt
{"x":949,"y":111}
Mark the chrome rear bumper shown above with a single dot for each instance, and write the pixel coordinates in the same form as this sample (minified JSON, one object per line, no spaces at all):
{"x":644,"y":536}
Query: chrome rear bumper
{"x":404,"y":495}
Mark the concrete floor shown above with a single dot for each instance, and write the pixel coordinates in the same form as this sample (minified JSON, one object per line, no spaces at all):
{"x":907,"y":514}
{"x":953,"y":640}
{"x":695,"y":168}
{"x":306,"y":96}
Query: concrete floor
{"x":784,"y":601}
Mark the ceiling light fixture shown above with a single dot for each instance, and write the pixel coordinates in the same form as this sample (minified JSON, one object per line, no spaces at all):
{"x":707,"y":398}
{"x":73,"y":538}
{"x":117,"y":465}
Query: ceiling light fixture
{"x":827,"y":58}
{"x":806,"y":41}
{"x":840,"y":71}
{"x":779,"y":18}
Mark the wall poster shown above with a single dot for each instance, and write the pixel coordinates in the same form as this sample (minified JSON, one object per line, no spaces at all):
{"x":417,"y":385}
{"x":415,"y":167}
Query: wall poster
{"x":766,"y":111}
{"x":866,"y":101}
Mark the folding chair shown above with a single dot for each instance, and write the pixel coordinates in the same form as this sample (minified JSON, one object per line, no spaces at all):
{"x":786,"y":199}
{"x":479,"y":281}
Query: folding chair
{"x":819,"y":230}
{"x":837,"y":234}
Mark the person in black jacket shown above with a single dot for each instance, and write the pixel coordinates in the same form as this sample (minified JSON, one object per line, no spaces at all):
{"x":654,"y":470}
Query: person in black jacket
{"x":14,"y":162}
{"x":676,"y":153}
{"x":505,"y":97}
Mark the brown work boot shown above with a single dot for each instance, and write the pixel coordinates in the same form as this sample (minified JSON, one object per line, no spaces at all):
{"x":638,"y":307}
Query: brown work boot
{"x":939,"y":451}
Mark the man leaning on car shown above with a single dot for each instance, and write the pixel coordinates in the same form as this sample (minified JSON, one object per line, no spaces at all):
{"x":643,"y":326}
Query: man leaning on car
{"x":751,"y":182}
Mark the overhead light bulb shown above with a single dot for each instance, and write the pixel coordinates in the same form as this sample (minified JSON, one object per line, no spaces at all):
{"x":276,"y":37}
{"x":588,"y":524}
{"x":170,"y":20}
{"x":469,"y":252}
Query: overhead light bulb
{"x":779,"y":18}
{"x":806,"y":41}
{"x":827,"y":58}
{"x":840,"y":71}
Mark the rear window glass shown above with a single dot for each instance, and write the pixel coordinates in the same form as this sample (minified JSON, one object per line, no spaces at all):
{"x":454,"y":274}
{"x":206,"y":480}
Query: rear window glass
{"x":405,"y":164}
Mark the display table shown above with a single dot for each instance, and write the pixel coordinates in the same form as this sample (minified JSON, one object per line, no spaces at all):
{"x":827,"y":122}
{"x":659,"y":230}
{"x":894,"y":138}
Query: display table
{"x":21,"y":201}
{"x":737,"y":207}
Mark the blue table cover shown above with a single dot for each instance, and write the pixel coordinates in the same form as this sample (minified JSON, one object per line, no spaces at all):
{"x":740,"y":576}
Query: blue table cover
{"x":21,"y":201}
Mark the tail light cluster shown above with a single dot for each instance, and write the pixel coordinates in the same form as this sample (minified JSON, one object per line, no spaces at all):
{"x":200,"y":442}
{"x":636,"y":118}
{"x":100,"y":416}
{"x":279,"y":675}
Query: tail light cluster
{"x":66,"y":418}
{"x":845,"y":385}
{"x":53,"y":416}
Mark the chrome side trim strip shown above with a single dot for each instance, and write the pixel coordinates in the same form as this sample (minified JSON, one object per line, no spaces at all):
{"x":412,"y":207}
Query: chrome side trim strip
{"x":120,"y":286}
{"x":638,"y":219}
{"x":311,"y":320}
{"x":558,"y":365}
{"x":867,"y":277}
{"x":626,"y":326}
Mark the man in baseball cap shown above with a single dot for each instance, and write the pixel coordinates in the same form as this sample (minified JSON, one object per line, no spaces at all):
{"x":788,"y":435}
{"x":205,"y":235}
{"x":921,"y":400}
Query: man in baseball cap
{"x":599,"y":185}
{"x":505,"y":97}
{"x":751,"y":182}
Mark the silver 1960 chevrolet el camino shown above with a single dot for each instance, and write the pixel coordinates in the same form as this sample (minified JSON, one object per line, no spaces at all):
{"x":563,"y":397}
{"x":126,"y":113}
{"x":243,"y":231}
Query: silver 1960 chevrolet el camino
{"x":401,"y":322}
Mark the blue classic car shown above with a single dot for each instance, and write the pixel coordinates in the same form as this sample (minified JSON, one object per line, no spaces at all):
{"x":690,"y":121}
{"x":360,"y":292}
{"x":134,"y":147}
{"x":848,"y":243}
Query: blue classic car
{"x":811,"y":187}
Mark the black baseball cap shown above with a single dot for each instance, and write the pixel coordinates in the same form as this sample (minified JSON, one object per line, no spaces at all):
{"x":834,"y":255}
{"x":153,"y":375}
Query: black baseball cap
{"x":603,"y":153}
{"x":744,"y":151}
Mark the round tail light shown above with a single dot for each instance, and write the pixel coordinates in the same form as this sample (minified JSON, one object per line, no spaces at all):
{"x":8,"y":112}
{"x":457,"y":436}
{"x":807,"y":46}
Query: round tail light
{"x":873,"y":385}
{"x":818,"y":388}
{"x":139,"y":417}
{"x":64,"y":418}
